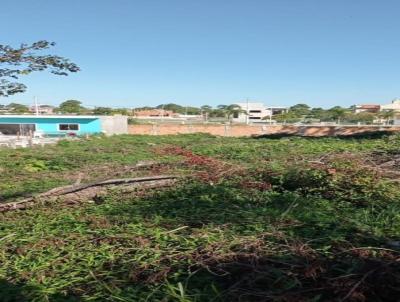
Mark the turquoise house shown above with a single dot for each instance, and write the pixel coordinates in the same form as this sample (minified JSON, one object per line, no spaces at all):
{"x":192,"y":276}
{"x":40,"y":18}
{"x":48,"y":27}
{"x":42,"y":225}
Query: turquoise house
{"x":50,"y":125}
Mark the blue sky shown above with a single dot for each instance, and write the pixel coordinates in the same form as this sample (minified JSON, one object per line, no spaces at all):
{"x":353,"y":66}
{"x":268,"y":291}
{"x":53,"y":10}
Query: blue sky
{"x":193,"y":52}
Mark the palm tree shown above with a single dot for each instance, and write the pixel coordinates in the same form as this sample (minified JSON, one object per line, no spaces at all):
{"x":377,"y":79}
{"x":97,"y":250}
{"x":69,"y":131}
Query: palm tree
{"x":231,"y":110}
{"x":205,"y":111}
{"x":387,"y":115}
{"x":206,"y":108}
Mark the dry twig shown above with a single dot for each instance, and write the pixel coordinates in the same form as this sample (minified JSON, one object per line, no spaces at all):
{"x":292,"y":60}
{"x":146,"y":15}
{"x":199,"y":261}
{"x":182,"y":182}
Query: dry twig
{"x":22,"y":204}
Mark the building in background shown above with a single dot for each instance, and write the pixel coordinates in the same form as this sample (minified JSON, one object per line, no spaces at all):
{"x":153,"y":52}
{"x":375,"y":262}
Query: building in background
{"x":42,"y":109}
{"x":367,"y":108}
{"x":62,"y":125}
{"x":393,"y":110}
{"x":154,"y":113}
{"x":396,"y":119}
{"x":253,"y":113}
{"x":4,"y":109}
{"x":278,"y":110}
{"x":395,"y":106}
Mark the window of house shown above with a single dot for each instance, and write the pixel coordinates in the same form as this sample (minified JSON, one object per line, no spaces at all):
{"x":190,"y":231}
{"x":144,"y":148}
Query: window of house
{"x":254,"y":111}
{"x":254,"y":117}
{"x":68,"y":127}
{"x":235,"y":114}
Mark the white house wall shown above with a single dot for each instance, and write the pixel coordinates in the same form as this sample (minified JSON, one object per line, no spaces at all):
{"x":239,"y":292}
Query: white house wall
{"x":251,"y":116}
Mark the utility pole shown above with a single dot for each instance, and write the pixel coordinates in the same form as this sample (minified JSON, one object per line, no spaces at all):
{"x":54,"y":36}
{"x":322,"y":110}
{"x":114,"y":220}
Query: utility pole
{"x":247,"y":111}
{"x":162,"y":113}
{"x":36,"y":106}
{"x":270,"y":116}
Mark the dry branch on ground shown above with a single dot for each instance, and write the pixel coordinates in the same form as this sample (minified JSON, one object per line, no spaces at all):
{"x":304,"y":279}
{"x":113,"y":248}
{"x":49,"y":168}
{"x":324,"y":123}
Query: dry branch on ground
{"x":148,"y":182}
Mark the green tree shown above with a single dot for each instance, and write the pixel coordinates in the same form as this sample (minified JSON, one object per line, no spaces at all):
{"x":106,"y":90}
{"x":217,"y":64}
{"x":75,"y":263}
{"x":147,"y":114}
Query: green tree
{"x":337,"y":113}
{"x":192,"y":110}
{"x":231,"y":110}
{"x":172,"y":107}
{"x":387,"y":115}
{"x":216,"y":112}
{"x":361,"y":117}
{"x":143,"y":108}
{"x":102,"y":111}
{"x":300,"y":110}
{"x":206,"y":108}
{"x":317,"y":113}
{"x":179,"y":109}
{"x":23,"y":60}
{"x":287,"y":117}
{"x":71,"y":106}
{"x":18,"y":108}
{"x":122,"y":111}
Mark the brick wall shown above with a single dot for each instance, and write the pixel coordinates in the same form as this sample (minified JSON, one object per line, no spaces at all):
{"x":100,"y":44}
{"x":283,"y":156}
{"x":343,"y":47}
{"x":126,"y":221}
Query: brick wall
{"x":247,"y":130}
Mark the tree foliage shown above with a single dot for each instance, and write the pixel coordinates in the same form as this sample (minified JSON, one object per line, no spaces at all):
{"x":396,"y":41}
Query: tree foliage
{"x":361,"y":117}
{"x":231,"y":110}
{"x":289,"y":117}
{"x":103,"y":111}
{"x":71,"y":106}
{"x":206,"y":108}
{"x":387,"y":115}
{"x":25,"y":59}
{"x":300,"y":109}
{"x":17,"y":108}
{"x":180,"y":109}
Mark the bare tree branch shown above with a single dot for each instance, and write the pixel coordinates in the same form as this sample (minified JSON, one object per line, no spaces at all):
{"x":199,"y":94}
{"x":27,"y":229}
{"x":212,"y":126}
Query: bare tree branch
{"x":15,"y":62}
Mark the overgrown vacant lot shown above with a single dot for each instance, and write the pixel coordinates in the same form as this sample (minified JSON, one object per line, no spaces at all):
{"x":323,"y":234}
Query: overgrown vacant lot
{"x":290,"y":219}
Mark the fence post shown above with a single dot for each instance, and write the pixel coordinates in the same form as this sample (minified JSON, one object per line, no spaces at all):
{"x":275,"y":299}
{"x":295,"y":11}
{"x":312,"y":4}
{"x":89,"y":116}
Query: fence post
{"x":227,"y":129}
{"x":335,"y":130}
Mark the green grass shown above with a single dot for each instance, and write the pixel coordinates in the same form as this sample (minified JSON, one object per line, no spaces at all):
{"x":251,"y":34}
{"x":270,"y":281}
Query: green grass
{"x":310,"y":235}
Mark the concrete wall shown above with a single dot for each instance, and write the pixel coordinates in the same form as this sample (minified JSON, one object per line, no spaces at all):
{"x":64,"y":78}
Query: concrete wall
{"x":247,"y":130}
{"x":117,"y":124}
